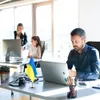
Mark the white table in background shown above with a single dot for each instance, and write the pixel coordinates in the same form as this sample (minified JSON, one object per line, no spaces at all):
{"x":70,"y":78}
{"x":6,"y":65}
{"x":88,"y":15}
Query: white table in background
{"x":16,"y":64}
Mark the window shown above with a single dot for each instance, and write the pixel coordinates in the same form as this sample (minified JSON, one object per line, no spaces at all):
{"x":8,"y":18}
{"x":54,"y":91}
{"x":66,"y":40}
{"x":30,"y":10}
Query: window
{"x":23,"y":14}
{"x":43,"y":24}
{"x":9,"y":18}
{"x":7,"y":23}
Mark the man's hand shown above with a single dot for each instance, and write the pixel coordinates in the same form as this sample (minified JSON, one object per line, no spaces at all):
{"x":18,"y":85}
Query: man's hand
{"x":71,"y":73}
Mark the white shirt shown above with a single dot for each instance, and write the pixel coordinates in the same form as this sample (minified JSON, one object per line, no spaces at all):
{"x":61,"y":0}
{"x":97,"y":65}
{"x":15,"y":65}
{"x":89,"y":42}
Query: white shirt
{"x":17,"y":37}
{"x":33,"y":51}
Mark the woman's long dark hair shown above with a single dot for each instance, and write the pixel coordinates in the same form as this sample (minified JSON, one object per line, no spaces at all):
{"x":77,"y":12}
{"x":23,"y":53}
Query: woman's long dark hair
{"x":36,"y":38}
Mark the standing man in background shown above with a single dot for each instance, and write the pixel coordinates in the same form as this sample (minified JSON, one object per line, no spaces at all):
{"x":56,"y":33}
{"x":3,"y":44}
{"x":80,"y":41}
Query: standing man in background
{"x":19,"y":34}
{"x":85,"y":58}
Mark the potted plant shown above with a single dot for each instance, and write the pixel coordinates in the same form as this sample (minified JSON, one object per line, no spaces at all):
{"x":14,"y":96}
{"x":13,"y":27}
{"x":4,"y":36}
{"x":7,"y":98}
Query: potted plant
{"x":4,"y":73}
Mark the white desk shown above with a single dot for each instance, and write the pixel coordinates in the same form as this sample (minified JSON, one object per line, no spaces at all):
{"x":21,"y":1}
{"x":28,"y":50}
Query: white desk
{"x":36,"y":91}
{"x":16,"y":64}
{"x":50,"y":91}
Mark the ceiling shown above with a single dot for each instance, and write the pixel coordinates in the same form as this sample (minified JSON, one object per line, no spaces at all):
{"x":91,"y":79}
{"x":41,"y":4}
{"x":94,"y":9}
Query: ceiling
{"x":8,"y":1}
{"x":12,"y":3}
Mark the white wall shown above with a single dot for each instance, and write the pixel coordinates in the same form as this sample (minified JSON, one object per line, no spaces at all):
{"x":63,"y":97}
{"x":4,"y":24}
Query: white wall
{"x":65,"y":20}
{"x":89,"y":18}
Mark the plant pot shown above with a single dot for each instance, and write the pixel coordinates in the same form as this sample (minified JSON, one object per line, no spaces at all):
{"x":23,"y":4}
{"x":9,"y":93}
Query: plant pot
{"x":4,"y":76}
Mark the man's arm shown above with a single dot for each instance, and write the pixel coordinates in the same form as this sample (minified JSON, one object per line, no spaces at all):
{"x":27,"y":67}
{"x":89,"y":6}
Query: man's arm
{"x":94,"y":65}
{"x":72,"y":73}
{"x":69,"y":61}
{"x":70,"y":65}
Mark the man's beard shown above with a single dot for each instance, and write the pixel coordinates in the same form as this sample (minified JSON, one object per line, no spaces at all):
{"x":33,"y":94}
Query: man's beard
{"x":78,"y":49}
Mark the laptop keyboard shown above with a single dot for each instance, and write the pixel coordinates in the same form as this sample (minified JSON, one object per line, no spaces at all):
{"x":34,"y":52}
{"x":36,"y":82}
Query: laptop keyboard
{"x":18,"y":59}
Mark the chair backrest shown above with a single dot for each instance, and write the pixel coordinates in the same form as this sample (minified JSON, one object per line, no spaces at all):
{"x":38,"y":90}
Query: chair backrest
{"x":42,"y":47}
{"x":95,"y":44}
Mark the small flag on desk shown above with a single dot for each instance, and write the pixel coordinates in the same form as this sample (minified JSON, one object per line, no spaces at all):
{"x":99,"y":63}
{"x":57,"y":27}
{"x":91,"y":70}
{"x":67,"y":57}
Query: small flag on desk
{"x":31,"y":70}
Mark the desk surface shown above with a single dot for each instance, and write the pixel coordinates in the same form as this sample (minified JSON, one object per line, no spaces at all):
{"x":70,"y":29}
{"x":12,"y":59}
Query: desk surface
{"x":51,"y":91}
{"x":14,"y":63}
{"x":39,"y":88}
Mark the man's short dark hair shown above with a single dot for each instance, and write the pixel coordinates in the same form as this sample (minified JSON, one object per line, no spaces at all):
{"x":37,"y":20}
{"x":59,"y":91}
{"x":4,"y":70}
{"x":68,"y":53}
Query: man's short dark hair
{"x":20,"y":24}
{"x":78,"y":31}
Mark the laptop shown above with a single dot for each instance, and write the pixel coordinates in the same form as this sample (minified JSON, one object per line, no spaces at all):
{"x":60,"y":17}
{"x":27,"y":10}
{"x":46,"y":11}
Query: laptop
{"x":54,"y":72}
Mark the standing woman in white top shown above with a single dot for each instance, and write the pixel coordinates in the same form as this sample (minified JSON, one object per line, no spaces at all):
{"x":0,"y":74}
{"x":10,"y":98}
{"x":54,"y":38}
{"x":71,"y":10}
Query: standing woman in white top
{"x":35,"y":48}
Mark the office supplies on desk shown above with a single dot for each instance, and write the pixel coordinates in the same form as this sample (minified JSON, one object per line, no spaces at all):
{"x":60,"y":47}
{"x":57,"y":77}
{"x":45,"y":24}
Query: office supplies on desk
{"x":96,"y":87}
{"x":82,"y":84}
{"x":71,"y":82}
{"x":18,"y":58}
{"x":18,"y":82}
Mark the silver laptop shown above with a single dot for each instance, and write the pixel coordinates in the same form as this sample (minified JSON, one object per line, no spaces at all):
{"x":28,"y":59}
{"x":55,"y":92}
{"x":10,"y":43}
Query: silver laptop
{"x":55,"y":72}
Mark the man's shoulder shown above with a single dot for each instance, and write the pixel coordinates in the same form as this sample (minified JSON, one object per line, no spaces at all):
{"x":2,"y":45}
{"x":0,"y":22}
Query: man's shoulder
{"x":92,"y":50}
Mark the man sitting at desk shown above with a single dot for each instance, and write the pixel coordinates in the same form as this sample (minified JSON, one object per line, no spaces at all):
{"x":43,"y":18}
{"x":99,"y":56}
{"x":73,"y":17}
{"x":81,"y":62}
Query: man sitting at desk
{"x":85,"y":58}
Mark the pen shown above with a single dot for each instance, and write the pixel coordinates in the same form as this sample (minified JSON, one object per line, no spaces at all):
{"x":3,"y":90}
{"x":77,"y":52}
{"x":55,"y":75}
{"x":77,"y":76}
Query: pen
{"x":96,"y":87}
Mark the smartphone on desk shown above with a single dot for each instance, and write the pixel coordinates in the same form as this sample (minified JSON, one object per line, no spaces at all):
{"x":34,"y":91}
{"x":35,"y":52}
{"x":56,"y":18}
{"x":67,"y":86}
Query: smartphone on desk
{"x":81,"y":84}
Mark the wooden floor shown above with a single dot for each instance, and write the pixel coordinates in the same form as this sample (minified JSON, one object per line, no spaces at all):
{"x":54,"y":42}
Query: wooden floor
{"x":24,"y":98}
